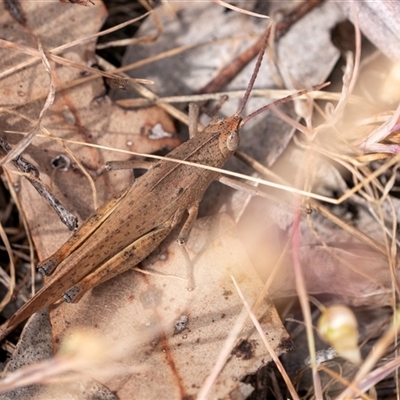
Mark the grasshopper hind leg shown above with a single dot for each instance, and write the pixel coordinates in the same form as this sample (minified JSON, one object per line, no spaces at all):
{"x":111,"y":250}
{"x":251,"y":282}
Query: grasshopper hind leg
{"x":137,"y":252}
{"x":47,"y":266}
{"x":119,"y":263}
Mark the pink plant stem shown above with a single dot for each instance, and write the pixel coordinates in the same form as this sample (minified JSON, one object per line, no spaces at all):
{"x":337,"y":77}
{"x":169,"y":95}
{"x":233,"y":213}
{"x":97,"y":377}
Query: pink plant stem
{"x":304,"y":301}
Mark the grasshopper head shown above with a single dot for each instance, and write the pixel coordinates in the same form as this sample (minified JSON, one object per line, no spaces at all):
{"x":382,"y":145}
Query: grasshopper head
{"x":229,"y":136}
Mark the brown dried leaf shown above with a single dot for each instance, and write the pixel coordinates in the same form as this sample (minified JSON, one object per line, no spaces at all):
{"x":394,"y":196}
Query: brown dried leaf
{"x":83,"y":114}
{"x":379,"y":22}
{"x":172,"y":334}
{"x":35,"y":349}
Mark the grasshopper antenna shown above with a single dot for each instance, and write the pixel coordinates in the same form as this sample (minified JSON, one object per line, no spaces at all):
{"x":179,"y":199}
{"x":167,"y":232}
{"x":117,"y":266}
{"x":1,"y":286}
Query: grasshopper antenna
{"x":260,"y":57}
{"x":283,"y":100}
{"x":249,"y":88}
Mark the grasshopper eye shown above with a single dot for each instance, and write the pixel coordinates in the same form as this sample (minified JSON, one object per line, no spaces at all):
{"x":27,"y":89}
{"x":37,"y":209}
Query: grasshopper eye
{"x":232,"y":141}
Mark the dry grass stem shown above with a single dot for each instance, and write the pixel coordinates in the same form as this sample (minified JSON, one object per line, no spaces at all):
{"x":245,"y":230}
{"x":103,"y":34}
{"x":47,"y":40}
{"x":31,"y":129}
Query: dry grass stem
{"x":270,"y":350}
{"x":11,"y":281}
{"x":240,"y":10}
{"x":26,"y":141}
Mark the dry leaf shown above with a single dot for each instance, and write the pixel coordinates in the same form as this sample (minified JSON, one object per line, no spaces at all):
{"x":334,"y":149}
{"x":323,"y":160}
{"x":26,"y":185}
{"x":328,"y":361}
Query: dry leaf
{"x":175,"y":335}
{"x":34,"y":347}
{"x":336,"y":261}
{"x":83,"y":113}
{"x":379,"y":22}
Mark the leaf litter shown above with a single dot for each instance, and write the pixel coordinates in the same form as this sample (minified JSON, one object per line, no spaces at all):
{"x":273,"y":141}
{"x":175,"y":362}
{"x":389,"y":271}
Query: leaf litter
{"x":335,"y":241}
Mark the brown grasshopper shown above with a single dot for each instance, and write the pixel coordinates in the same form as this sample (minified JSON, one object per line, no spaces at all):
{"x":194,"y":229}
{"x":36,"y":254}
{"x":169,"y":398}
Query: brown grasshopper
{"x":126,"y":229}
